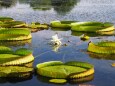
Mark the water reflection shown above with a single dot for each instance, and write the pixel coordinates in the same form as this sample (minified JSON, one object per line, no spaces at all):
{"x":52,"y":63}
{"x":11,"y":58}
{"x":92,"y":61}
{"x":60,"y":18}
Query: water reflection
{"x":61,"y":7}
{"x":15,"y":43}
{"x":15,"y":74}
{"x":7,"y":3}
{"x":101,"y":56}
{"x":109,"y":33}
{"x":65,"y":6}
{"x":74,"y":81}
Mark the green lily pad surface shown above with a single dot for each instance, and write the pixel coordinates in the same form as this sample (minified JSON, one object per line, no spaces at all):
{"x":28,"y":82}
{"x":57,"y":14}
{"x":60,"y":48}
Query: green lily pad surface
{"x":57,"y":69}
{"x":102,"y":47}
{"x":18,"y":57}
{"x":92,"y":26}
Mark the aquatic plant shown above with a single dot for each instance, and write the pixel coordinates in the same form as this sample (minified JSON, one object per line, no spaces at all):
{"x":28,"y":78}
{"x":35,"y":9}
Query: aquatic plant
{"x":58,"y":81}
{"x":10,"y":34}
{"x":15,"y":43}
{"x":92,"y":26}
{"x":69,"y":70}
{"x":4,"y":19}
{"x":13,"y":24}
{"x":107,"y":47}
{"x":18,"y":57}
{"x":15,"y":71}
{"x":84,"y":37}
{"x":61,"y":24}
{"x":37,"y":25}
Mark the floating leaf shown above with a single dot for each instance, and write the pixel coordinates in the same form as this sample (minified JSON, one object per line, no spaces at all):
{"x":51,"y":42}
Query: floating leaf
{"x":71,"y":70}
{"x":61,"y":24}
{"x":19,"y":57}
{"x":102,"y":47}
{"x":92,"y":26}
{"x":58,"y":81}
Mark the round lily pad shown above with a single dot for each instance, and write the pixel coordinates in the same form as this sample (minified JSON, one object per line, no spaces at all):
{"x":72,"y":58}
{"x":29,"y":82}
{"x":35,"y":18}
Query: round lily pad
{"x":69,"y":70}
{"x":19,"y":57}
{"x":58,"y":81}
{"x":107,"y":47}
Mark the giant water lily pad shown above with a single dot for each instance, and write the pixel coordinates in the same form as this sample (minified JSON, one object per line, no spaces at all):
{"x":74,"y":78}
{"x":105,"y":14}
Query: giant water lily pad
{"x":10,"y":34}
{"x":13,"y":24}
{"x":6,"y":19}
{"x":61,"y":24}
{"x":37,"y":25}
{"x":58,"y":81}
{"x":18,"y":57}
{"x":69,"y":70}
{"x":107,"y":47}
{"x":15,"y":43}
{"x":92,"y":26}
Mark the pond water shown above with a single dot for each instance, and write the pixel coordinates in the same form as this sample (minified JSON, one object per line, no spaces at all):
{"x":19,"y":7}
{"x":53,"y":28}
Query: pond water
{"x":44,"y":11}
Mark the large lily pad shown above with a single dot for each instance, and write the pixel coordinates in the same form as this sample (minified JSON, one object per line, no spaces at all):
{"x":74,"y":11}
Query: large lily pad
{"x":92,"y":26}
{"x":5,"y":19}
{"x":13,"y":24}
{"x":18,"y":57}
{"x":61,"y":24}
{"x":69,"y":70}
{"x":15,"y":72}
{"x":10,"y":34}
{"x":37,"y":25}
{"x":106,"y":47}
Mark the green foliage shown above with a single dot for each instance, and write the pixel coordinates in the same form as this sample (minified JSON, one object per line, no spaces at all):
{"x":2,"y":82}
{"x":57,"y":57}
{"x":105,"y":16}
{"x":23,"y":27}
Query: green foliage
{"x":4,"y":19}
{"x":106,"y":44}
{"x":5,"y":50}
{"x":11,"y":24}
{"x":50,"y":63}
{"x":85,"y":37}
{"x":37,"y":25}
{"x":79,"y":64}
{"x":61,"y":24}
{"x":23,"y":52}
{"x":102,"y":47}
{"x":59,"y":81}
{"x":15,"y":31}
{"x":92,"y":26}
{"x":7,"y":58}
{"x":69,"y":70}
{"x":10,"y":34}
{"x":67,"y":22}
{"x":60,"y":71}
{"x":18,"y":57}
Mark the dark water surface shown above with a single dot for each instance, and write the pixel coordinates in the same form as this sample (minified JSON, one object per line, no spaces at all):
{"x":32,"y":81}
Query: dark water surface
{"x":44,"y":11}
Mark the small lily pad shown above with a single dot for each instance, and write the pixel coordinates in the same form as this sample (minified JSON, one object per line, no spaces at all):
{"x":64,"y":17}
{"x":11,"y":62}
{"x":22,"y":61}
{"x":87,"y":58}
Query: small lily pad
{"x":58,"y":81}
{"x":113,"y":64}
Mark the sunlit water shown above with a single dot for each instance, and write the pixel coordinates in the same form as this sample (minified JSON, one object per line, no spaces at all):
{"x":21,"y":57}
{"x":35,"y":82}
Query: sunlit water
{"x":80,"y":10}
